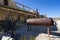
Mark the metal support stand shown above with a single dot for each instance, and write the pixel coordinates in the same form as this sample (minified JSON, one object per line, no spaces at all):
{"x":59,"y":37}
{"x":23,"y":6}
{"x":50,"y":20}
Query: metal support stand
{"x":29,"y":28}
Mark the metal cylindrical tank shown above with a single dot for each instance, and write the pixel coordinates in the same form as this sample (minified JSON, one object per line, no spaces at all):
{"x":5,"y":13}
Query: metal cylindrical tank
{"x":40,"y":21}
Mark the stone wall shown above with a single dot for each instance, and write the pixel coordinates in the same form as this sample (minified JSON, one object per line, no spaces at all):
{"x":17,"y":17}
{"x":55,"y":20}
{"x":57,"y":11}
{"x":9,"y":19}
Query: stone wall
{"x":58,"y":24}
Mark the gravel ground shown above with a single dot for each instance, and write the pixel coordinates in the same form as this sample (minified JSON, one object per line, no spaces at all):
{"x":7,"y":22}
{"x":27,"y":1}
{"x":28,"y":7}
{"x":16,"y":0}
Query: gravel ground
{"x":43,"y":36}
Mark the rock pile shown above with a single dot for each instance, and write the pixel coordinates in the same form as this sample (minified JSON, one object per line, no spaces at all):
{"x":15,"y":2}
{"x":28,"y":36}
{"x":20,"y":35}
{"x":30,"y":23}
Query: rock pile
{"x":43,"y":36}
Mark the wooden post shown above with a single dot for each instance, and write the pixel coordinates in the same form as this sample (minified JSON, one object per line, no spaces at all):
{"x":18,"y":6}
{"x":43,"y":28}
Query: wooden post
{"x":48,"y":30}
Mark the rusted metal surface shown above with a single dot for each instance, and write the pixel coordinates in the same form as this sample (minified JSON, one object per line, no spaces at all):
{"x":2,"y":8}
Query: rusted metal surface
{"x":41,"y":21}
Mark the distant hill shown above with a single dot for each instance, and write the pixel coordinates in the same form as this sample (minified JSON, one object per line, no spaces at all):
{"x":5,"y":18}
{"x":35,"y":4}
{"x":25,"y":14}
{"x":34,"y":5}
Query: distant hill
{"x":58,"y":18}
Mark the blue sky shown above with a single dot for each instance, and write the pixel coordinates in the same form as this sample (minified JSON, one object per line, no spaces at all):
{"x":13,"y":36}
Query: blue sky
{"x":49,"y":7}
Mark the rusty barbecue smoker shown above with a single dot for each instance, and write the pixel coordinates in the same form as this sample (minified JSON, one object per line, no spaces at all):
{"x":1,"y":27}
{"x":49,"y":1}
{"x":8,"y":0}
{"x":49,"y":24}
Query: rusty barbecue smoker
{"x":41,"y":21}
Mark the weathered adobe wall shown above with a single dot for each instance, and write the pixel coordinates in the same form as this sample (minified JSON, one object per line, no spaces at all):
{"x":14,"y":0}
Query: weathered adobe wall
{"x":22,"y":17}
{"x":2,"y":15}
{"x":10,"y":3}
{"x":1,"y":2}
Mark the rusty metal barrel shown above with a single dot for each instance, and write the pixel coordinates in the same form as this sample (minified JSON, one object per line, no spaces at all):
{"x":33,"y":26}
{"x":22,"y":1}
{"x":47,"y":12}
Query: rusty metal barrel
{"x":40,"y":21}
